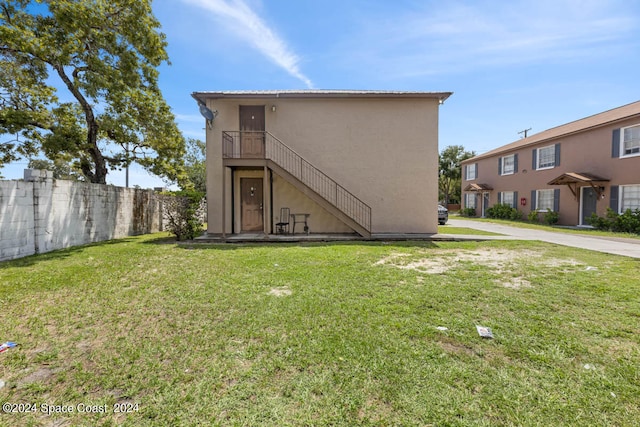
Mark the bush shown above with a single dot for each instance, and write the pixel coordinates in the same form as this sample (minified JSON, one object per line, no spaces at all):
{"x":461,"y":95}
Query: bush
{"x":183,"y":211}
{"x":504,"y":211}
{"x":550,"y":217}
{"x":533,"y":216}
{"x":468,"y":212}
{"x":627,"y":222}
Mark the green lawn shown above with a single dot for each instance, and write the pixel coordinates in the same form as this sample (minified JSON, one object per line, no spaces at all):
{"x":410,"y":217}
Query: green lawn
{"x":448,"y":229}
{"x":322,"y":334}
{"x":562,"y":229}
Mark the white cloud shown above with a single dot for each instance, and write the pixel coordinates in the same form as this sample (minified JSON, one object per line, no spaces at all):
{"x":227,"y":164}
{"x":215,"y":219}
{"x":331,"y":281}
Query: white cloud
{"x":246,"y":24}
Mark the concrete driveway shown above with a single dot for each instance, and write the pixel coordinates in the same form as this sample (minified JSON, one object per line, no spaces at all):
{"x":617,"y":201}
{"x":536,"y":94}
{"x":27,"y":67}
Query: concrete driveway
{"x":610,"y":245}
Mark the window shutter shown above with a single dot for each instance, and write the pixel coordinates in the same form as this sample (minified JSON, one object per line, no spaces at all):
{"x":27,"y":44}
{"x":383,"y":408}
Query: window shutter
{"x":613,"y":198}
{"x":556,"y":199}
{"x":534,"y":159}
{"x":476,"y":167}
{"x":465,"y":172}
{"x":500,"y":197}
{"x":515,"y":199}
{"x":615,"y":144}
{"x":557,"y":155}
{"x":499,"y":165}
{"x":533,"y":200}
{"x":515,"y":163}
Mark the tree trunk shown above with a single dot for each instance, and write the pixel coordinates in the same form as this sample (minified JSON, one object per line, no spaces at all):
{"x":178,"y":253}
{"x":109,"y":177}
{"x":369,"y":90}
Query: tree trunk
{"x":96,"y":170}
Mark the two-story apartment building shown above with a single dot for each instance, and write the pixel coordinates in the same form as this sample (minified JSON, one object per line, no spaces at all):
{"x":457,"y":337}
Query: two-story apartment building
{"x":574,"y":169}
{"x":322,"y":161}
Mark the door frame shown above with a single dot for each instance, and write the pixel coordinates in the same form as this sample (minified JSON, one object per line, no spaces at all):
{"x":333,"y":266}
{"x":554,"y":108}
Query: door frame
{"x":582,"y":200}
{"x":236,"y":204}
{"x":260,"y":192}
{"x":247,"y":126}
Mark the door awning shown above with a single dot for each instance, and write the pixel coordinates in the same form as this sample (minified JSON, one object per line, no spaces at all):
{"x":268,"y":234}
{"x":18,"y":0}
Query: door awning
{"x":478,"y":187}
{"x":573,"y":179}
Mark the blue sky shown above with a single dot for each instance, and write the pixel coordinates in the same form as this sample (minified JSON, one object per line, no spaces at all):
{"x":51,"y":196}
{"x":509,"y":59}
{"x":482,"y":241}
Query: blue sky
{"x":511,"y":65}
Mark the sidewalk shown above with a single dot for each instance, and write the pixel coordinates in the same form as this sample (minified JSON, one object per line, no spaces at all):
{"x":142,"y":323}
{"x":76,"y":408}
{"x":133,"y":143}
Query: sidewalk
{"x":615,"y":246}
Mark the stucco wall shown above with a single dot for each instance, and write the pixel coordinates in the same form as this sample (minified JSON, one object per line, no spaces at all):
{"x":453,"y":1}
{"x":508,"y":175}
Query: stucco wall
{"x":43,"y":214}
{"x":383,"y":150}
{"x":584,"y":152}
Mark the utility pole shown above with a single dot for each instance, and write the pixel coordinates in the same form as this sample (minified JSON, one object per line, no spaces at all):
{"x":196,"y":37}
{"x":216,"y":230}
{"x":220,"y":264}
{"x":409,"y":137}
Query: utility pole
{"x":524,"y":132}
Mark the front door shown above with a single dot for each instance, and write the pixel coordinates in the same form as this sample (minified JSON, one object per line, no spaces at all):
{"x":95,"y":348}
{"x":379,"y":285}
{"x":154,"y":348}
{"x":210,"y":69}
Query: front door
{"x":485,"y":204}
{"x":589,"y":201}
{"x":251,"y":204}
{"x":252,"y":131}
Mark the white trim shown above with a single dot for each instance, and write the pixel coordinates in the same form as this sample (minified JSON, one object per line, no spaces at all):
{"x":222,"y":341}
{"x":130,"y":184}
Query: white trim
{"x":538,"y":200}
{"x":473,"y":166}
{"x":580,"y":224}
{"x":621,"y":196}
{"x":540,"y":168}
{"x":467,"y":198}
{"x":513,"y":199}
{"x":513,"y":156}
{"x":622,"y":154}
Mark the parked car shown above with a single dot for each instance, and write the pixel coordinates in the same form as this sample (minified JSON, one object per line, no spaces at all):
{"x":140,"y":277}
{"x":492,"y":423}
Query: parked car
{"x":443,"y":215}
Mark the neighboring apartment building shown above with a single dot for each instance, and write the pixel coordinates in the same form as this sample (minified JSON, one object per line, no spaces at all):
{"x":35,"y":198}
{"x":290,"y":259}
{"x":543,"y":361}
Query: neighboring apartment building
{"x":575,"y":169}
{"x":362,"y":162}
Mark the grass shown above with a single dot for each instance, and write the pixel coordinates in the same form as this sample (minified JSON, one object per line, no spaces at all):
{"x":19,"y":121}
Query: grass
{"x":559,"y":228}
{"x":331,"y":334}
{"x":447,"y":229}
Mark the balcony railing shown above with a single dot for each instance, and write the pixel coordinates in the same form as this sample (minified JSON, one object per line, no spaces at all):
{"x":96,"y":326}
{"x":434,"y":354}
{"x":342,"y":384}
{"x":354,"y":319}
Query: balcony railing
{"x":263,"y":145}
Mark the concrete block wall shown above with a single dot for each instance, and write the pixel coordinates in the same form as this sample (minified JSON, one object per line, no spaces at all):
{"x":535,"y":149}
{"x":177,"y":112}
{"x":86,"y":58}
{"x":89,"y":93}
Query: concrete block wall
{"x":41,"y":214}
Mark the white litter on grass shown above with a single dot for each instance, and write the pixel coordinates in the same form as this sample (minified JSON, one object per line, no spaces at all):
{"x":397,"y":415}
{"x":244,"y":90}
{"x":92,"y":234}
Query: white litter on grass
{"x":280,"y":292}
{"x":613,"y":394}
{"x":442,"y":328}
{"x":590,"y":268}
{"x":484,"y":332}
{"x":2,"y":383}
{"x":588,"y":366}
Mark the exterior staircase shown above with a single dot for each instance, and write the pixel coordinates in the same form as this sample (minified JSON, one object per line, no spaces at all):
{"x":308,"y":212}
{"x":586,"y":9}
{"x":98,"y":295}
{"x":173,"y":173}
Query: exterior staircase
{"x":311,"y":181}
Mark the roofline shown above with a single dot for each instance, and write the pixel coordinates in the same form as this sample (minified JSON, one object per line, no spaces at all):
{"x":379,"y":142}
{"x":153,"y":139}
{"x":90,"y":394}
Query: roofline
{"x":510,"y":148}
{"x":274,"y":94}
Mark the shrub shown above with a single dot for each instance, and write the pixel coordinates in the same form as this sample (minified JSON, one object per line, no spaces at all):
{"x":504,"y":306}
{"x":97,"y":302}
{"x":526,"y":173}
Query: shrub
{"x":533,"y":216}
{"x":627,"y":222}
{"x":468,"y":212}
{"x":183,"y":211}
{"x":551,"y":217}
{"x":504,"y":211}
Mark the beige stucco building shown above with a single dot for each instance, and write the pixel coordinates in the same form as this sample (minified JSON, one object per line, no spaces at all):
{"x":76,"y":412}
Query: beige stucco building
{"x":574,"y":169}
{"x":361,"y":162}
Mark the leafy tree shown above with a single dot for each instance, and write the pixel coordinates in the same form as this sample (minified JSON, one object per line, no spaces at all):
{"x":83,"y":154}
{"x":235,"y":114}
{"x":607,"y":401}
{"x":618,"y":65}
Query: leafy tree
{"x":450,"y":176}
{"x":194,"y":161}
{"x":105,"y":53}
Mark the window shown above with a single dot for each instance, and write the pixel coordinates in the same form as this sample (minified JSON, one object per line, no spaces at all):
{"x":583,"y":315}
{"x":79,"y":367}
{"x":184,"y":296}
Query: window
{"x":470,"y":200}
{"x":546,"y":157}
{"x":544,"y":199}
{"x":630,"y":197}
{"x":507,"y":198}
{"x":507,"y":165}
{"x":472,"y":172}
{"x":630,"y":141}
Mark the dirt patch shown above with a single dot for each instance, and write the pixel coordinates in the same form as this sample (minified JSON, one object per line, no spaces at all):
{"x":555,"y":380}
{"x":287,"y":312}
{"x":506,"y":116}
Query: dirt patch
{"x":438,"y":262}
{"x":39,"y":376}
{"x":514,"y":283}
{"x":280,"y":292}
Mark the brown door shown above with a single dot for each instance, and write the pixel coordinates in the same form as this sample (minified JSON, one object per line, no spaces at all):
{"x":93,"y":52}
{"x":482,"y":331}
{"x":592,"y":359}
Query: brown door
{"x":252,"y":131}
{"x":251,"y":204}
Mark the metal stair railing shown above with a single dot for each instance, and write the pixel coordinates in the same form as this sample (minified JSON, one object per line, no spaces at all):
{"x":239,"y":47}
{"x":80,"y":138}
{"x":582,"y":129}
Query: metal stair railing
{"x":323,"y":185}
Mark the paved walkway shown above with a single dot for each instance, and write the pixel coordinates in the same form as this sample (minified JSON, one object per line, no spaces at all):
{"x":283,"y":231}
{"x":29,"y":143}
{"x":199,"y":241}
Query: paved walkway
{"x":613,"y":245}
